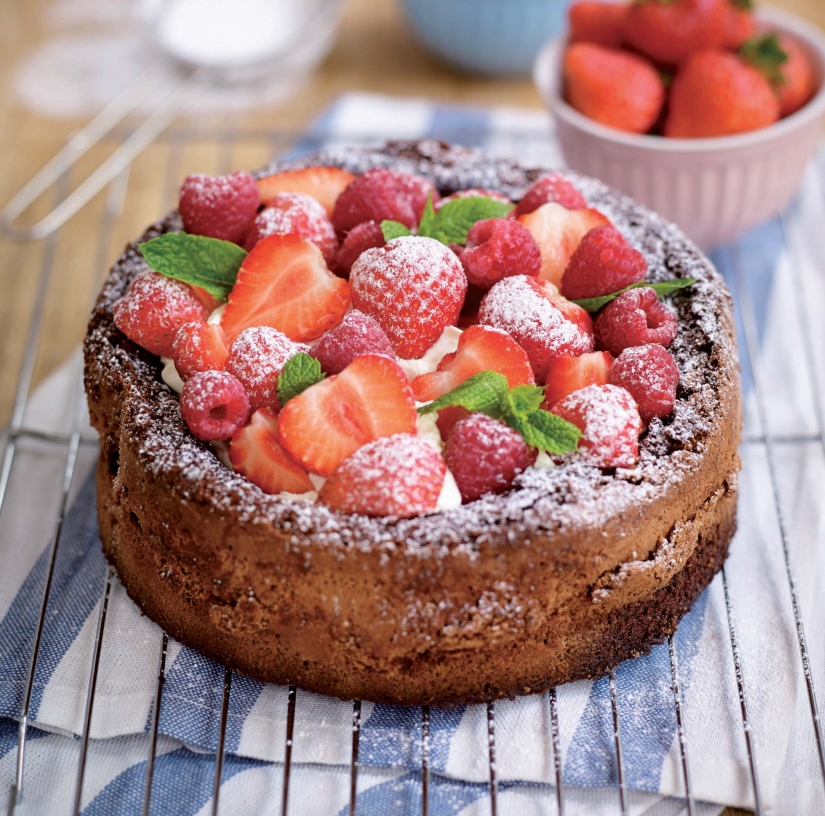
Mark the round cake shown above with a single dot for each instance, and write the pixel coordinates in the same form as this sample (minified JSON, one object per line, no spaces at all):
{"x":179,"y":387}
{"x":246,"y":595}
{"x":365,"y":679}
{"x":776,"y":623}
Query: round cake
{"x":571,"y":570}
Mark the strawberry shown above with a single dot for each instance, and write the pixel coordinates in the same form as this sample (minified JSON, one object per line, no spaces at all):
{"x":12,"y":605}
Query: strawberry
{"x":616,"y":88}
{"x":324,"y":184}
{"x":717,"y":94}
{"x":480,"y":348}
{"x":788,"y":67}
{"x":669,"y":31}
{"x":205,"y":299}
{"x":558,"y":232}
{"x":284,"y":283}
{"x":550,"y":187}
{"x":568,"y":374}
{"x":256,"y":453}
{"x":329,"y":421}
{"x":740,"y":25}
{"x":198,"y":347}
{"x":597,"y":22}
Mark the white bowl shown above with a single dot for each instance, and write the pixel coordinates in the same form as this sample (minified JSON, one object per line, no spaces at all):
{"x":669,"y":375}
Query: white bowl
{"x":714,"y":189}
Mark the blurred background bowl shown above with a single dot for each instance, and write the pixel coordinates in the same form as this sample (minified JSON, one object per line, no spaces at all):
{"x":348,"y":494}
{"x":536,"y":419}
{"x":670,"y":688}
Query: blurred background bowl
{"x":715,"y":189}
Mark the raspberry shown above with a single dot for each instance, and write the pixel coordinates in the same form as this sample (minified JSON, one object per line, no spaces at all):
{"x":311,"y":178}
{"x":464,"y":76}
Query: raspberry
{"x":382,"y":194}
{"x":214,"y":405}
{"x":550,"y":188}
{"x":359,"y":239}
{"x":356,"y":334}
{"x":498,"y":248}
{"x":603,"y":263}
{"x":153,"y":310}
{"x":257,"y":358}
{"x":413,"y":287}
{"x":649,"y":373}
{"x":485,"y":456}
{"x":635,"y":318}
{"x":530,"y":310}
{"x":299,"y":214}
{"x":199,"y":347}
{"x":473,"y":192}
{"x":399,"y":475}
{"x":609,"y":421}
{"x":219,"y":206}
{"x":448,"y":418}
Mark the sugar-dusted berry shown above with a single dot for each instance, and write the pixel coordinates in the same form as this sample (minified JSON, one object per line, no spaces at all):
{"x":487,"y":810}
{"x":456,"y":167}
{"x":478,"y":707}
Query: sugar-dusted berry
{"x":214,"y":405}
{"x":355,"y":335}
{"x":219,"y":206}
{"x":498,"y":248}
{"x":199,"y":346}
{"x":550,"y":188}
{"x":359,"y":239}
{"x":324,"y":184}
{"x":568,"y":374}
{"x":650,"y":374}
{"x":635,"y":318}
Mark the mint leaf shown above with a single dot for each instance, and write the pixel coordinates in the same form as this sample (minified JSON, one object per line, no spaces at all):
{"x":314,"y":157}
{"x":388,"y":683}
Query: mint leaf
{"x":743,"y":4}
{"x":394,"y":229}
{"x":209,"y":263}
{"x":300,"y":372}
{"x":767,"y":56}
{"x":427,"y":220}
{"x":662,"y":289}
{"x":482,"y":392}
{"x":523,"y":399}
{"x":455,"y":219}
{"x":545,"y":431}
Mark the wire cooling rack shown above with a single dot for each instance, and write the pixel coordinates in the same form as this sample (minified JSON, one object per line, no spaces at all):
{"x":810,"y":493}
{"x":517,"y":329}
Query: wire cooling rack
{"x":224,"y":150}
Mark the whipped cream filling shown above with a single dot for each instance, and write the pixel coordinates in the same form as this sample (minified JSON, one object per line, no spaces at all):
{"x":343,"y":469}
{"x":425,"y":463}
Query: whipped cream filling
{"x":446,"y":344}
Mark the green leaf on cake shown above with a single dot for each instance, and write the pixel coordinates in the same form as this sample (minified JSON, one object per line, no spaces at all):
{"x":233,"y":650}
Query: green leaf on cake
{"x":394,"y":229}
{"x":209,"y":263}
{"x":300,"y":372}
{"x":455,"y":219}
{"x":545,"y":431}
{"x":662,"y":290}
{"x":425,"y":223}
{"x":482,"y":392}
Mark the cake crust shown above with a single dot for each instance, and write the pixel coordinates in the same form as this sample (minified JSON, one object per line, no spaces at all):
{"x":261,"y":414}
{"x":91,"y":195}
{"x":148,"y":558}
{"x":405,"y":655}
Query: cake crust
{"x":563,"y":577}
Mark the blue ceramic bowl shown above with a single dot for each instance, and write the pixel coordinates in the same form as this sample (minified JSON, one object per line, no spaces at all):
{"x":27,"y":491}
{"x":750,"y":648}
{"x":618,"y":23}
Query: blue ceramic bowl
{"x":487,"y":36}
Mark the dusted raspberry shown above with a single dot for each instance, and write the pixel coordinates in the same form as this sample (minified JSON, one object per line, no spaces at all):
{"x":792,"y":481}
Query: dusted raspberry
{"x":649,"y":373}
{"x":198,"y":347}
{"x":213,"y":405}
{"x":382,"y":194}
{"x":472,"y":192}
{"x":485,"y":456}
{"x":359,"y":239}
{"x":298,"y":214}
{"x":153,"y":310}
{"x":257,"y":359}
{"x":356,"y":334}
{"x":400,"y":475}
{"x":498,"y":248}
{"x":219,"y":206}
{"x":609,"y":421}
{"x":413,"y":287}
{"x":550,"y":188}
{"x":635,"y":318}
{"x":530,"y":311}
{"x":603,"y":263}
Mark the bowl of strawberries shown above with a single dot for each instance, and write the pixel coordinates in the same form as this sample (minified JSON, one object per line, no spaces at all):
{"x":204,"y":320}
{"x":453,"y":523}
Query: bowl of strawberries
{"x":707,"y":111}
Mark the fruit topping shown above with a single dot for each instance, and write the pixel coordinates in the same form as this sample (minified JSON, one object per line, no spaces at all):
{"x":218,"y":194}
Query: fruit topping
{"x":609,"y":421}
{"x":381,"y":194}
{"x":790,"y":68}
{"x":480,"y":348}
{"x":219,"y":206}
{"x":399,"y":475}
{"x":603,"y":263}
{"x":649,"y":373}
{"x":355,"y":335}
{"x":359,"y":239}
{"x":324,"y":184}
{"x":256,"y":358}
{"x":285,"y":284}
{"x":207,"y":300}
{"x":485,"y":456}
{"x":255,"y":452}
{"x":568,"y":374}
{"x":153,"y":310}
{"x":413,"y":287}
{"x":550,"y":188}
{"x":473,"y":192}
{"x":214,"y":405}
{"x":740,"y":25}
{"x":497,"y":248}
{"x":597,"y":22}
{"x":635,"y":318}
{"x":199,"y":346}
{"x":448,"y":418}
{"x":558,"y":232}
{"x":329,"y":421}
{"x":530,"y":310}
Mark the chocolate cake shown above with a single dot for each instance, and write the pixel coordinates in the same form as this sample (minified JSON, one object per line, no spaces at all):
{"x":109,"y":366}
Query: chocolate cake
{"x":573,"y":570}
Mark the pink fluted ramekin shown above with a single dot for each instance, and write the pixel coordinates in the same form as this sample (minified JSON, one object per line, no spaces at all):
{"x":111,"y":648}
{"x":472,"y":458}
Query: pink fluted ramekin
{"x":715,"y":189}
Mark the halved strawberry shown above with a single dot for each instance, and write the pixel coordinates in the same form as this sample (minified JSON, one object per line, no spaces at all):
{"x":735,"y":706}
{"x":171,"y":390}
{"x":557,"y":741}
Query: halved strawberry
{"x":284,"y":283}
{"x":558,"y":232}
{"x":256,"y":453}
{"x":568,"y":374}
{"x":369,"y":399}
{"x":203,"y":297}
{"x":572,"y":311}
{"x":480,"y":348}
{"x":324,"y":184}
{"x":199,"y":347}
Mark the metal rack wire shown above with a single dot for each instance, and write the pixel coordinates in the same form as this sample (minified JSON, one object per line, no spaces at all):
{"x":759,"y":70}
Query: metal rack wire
{"x":17,"y":432}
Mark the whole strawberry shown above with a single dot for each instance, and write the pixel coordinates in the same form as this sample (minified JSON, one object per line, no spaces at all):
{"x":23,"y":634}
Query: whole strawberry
{"x":740,"y":25}
{"x":787,"y":66}
{"x":219,"y":206}
{"x":596,"y":21}
{"x":616,"y":88}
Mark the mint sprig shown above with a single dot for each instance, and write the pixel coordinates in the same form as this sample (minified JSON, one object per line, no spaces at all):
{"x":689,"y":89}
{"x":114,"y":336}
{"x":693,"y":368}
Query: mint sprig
{"x":209,"y":263}
{"x":300,"y":372}
{"x":394,"y":229}
{"x":518,"y":407}
{"x":661,"y":289}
